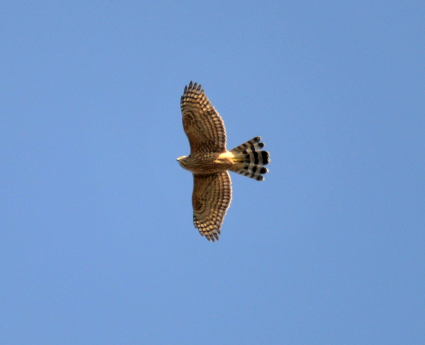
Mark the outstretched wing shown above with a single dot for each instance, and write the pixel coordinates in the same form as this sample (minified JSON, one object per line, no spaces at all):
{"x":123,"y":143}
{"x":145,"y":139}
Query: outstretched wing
{"x":211,"y":198}
{"x":201,"y":122}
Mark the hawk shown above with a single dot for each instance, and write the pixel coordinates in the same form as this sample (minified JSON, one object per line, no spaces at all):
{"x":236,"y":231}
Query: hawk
{"x":209,"y":161}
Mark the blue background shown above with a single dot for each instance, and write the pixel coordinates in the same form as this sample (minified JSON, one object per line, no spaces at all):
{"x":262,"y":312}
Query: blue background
{"x":97,"y":244}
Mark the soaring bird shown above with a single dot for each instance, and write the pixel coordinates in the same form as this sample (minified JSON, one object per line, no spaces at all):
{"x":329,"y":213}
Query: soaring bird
{"x":209,"y":161}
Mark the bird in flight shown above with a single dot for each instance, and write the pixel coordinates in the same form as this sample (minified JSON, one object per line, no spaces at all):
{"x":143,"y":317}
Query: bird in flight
{"x":209,"y":161}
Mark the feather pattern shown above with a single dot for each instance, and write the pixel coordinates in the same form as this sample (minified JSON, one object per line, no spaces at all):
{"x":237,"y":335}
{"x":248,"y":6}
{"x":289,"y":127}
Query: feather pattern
{"x":209,"y":161}
{"x":201,"y":122}
{"x":250,"y":159}
{"x":211,"y":198}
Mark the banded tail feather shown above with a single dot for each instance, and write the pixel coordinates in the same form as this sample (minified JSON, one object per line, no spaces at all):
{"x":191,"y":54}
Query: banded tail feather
{"x":250,"y":159}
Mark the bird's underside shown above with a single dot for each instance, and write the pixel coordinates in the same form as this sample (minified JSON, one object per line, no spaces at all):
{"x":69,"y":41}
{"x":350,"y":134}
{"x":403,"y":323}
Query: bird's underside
{"x":209,"y":161}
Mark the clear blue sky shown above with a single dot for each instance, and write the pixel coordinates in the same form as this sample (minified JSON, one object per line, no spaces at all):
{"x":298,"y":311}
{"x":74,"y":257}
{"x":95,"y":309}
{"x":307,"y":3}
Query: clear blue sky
{"x":97,"y":244}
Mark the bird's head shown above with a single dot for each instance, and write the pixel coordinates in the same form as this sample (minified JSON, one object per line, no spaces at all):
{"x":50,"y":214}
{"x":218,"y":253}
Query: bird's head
{"x":182,"y":161}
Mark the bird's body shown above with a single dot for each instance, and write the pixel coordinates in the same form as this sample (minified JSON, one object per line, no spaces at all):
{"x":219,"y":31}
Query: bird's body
{"x":209,"y":161}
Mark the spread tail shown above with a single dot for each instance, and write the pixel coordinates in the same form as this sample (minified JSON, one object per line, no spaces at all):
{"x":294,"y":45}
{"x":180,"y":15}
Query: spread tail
{"x":250,"y":160}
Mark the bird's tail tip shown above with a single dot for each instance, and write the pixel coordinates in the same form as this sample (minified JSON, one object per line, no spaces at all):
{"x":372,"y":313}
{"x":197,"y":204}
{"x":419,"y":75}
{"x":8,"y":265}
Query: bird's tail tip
{"x":250,"y":159}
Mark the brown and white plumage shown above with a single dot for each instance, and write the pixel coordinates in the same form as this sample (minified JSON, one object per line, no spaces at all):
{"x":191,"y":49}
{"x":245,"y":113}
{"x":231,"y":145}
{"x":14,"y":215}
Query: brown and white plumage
{"x":211,"y":197}
{"x":201,"y":122}
{"x":209,"y":161}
